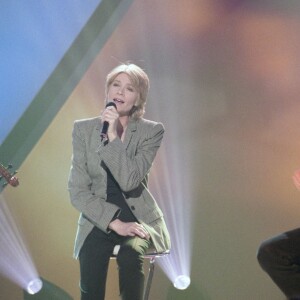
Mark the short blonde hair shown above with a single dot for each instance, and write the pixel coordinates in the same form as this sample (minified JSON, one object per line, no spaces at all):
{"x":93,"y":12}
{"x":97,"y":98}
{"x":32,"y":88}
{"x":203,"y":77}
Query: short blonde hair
{"x":139,"y":80}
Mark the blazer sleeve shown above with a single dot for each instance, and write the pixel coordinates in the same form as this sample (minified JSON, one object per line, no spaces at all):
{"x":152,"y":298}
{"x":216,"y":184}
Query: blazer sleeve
{"x":129,"y":170}
{"x":92,"y":206}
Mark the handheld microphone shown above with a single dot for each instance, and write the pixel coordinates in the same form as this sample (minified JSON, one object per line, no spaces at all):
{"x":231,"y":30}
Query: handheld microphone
{"x":105,"y":123}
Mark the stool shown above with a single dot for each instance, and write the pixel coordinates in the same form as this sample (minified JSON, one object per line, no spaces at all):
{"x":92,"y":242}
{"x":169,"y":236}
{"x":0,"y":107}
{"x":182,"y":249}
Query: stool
{"x":152,"y":257}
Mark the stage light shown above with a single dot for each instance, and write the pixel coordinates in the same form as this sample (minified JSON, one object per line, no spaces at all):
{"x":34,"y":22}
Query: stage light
{"x":34,"y":286}
{"x":172,"y":186}
{"x":15,"y":261}
{"x":182,"y":282}
{"x":170,"y":182}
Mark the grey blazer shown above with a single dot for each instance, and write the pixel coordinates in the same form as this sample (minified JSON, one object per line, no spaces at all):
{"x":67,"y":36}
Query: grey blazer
{"x":129,"y":162}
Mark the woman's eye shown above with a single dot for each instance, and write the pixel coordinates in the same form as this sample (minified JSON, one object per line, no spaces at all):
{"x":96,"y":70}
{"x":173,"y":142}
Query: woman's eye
{"x":115,"y":84}
{"x":130,"y":89}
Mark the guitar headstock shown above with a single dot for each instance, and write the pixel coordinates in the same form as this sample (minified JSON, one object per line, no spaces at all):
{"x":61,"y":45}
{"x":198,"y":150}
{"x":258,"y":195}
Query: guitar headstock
{"x":8,"y":176}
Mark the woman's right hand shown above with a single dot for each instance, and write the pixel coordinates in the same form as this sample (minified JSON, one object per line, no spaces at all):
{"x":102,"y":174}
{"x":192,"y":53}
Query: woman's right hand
{"x":111,"y":115}
{"x":129,"y":229}
{"x":296,"y":179}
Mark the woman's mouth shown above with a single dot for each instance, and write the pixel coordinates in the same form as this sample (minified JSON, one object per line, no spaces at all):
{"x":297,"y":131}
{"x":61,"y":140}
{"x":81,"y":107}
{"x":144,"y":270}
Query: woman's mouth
{"x":118,"y":101}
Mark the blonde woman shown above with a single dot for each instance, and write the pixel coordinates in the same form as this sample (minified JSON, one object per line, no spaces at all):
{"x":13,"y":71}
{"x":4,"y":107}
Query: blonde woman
{"x":108,"y":186}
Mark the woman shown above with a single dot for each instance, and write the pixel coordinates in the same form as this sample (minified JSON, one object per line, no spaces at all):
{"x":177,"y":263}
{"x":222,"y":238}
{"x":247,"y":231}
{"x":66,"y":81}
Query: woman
{"x":108,"y":185}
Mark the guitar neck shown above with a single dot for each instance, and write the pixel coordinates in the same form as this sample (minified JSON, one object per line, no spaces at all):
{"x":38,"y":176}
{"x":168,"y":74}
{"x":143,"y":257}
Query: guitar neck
{"x":10,"y":178}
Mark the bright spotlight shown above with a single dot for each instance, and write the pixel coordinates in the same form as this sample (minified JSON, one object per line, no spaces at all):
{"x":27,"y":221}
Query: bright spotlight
{"x":34,"y":286}
{"x":171,"y":182}
{"x":15,"y":260}
{"x":182,"y":282}
{"x":178,"y":212}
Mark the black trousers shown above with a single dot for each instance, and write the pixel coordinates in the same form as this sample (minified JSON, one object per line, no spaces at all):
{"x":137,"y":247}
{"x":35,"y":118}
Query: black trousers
{"x":279,"y":256}
{"x":94,"y":260}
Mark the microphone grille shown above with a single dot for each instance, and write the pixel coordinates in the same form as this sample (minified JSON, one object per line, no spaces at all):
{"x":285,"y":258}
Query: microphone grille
{"x":111,"y":104}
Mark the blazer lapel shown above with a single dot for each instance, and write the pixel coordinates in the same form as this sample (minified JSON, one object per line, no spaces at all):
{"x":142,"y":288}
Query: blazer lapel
{"x":131,"y":128}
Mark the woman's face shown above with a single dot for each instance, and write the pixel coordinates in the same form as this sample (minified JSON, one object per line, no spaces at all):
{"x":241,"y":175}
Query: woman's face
{"x":123,"y":94}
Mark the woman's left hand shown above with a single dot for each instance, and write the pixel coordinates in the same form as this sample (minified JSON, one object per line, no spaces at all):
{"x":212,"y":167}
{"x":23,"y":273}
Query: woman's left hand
{"x":129,"y":229}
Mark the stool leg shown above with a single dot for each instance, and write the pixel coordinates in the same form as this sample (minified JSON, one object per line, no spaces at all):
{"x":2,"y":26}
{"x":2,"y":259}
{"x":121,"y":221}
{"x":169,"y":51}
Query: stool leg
{"x":149,"y":279}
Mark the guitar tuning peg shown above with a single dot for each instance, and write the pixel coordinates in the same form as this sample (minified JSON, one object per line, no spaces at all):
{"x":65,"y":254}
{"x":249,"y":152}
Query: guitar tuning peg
{"x":9,"y":166}
{"x":4,"y":184}
{"x":1,"y":177}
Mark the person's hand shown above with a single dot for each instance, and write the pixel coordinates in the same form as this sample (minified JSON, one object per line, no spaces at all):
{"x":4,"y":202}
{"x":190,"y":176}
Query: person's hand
{"x":129,"y":229}
{"x":111,"y":116}
{"x":296,"y":179}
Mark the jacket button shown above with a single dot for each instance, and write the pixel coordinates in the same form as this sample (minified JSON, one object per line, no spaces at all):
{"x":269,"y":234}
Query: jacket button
{"x":132,"y":207}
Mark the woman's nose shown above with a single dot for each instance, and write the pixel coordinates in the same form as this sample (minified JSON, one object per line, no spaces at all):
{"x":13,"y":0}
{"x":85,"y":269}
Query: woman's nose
{"x":120,"y":91}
